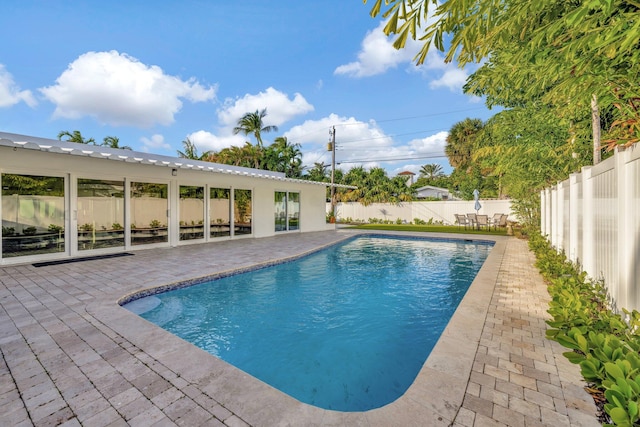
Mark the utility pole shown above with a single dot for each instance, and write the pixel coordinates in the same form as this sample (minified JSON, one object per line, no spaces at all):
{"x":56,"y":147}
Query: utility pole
{"x":332,"y":147}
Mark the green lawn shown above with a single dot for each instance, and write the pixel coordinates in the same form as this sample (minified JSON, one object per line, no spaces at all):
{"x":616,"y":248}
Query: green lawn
{"x":429,"y":229}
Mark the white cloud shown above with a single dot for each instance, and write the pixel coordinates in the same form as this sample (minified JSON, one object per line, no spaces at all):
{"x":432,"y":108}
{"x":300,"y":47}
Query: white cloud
{"x":365,"y":144}
{"x":10,"y":93}
{"x":453,"y":79}
{"x":280,"y":108}
{"x":117,"y":89}
{"x":357,"y":142}
{"x":431,"y":145}
{"x":155,"y":143}
{"x":206,"y":141}
{"x":377,"y":55}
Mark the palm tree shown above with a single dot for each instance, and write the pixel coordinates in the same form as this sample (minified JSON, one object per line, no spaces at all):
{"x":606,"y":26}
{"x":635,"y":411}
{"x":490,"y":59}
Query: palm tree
{"x":114,"y":142}
{"x":252,"y":123}
{"x":283,"y":156}
{"x":191,"y":151}
{"x":318,"y":172}
{"x":252,"y":155}
{"x":76,"y":136}
{"x":430,"y":171}
{"x":249,"y":155}
{"x":460,"y":142}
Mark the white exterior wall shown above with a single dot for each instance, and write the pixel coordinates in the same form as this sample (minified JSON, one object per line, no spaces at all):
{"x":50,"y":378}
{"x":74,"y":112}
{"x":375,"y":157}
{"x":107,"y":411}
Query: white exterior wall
{"x":594,"y":217}
{"x":71,"y":167}
{"x":437,"y":211}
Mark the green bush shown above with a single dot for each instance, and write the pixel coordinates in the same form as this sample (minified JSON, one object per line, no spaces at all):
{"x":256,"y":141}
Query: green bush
{"x":603,"y":343}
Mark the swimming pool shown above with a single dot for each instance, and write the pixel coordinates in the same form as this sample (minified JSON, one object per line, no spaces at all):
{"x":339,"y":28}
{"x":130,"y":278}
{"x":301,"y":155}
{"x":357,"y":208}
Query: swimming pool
{"x":347,"y":328}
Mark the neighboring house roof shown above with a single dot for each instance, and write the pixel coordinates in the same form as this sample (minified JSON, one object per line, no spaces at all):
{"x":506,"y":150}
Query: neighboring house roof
{"x":129,"y":156}
{"x":431,"y":187}
{"x":437,"y":190}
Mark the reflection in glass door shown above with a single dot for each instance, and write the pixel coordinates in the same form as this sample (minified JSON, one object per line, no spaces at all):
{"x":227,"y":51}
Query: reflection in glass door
{"x":287,"y":211}
{"x":280,"y":210}
{"x":32,"y":215}
{"x":149,"y":205}
{"x":191,"y":212}
{"x":219,"y":212}
{"x":242,"y":212}
{"x":100,"y":214}
{"x":293,"y":211}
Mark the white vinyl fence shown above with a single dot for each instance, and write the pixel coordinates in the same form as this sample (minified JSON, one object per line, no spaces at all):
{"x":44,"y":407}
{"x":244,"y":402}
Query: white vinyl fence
{"x":437,"y":211}
{"x":594,"y":218}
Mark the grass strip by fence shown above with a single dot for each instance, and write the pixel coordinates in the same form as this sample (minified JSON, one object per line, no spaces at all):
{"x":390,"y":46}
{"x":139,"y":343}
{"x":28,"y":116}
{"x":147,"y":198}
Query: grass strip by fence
{"x":431,"y":229}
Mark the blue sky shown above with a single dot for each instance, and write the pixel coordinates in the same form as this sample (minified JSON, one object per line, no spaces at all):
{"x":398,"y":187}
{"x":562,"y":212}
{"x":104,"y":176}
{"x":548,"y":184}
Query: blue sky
{"x":154,"y":73}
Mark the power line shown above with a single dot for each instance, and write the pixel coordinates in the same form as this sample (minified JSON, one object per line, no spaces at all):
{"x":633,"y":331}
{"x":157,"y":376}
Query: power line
{"x":392,"y":159}
{"x":390,"y":136}
{"x":323,"y":129}
{"x":414,"y":117}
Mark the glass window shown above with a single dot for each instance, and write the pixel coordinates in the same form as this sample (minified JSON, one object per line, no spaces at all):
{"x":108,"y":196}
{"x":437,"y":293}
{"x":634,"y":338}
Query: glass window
{"x":100,"y":214}
{"x":280,"y":211}
{"x":293,"y":211}
{"x":149,"y":213}
{"x":219,"y":212}
{"x":191,"y":212}
{"x":287,"y":211}
{"x":32,"y":215}
{"x":242,"y":212}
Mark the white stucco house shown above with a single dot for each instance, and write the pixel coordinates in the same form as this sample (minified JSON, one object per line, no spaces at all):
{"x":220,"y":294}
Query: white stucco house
{"x":62,"y":200}
{"x":430,"y":191}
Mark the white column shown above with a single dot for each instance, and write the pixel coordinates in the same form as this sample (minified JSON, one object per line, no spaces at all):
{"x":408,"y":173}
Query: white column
{"x":173,"y":221}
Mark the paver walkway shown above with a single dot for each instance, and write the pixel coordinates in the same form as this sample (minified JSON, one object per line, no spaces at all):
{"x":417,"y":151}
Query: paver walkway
{"x":71,"y":356}
{"x":520,"y":378}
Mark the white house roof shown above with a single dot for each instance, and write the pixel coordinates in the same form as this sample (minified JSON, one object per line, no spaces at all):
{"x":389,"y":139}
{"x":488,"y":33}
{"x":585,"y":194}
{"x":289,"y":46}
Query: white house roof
{"x":97,"y":151}
{"x":431,"y":187}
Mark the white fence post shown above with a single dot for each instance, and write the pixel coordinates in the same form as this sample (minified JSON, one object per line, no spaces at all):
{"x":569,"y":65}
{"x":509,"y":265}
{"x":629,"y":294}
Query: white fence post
{"x":632,"y":227}
{"x":625,"y":242}
{"x":559,"y":217}
{"x":588,"y":222}
{"x":594,"y":216}
{"x":543,"y":212}
{"x":548,"y":215}
{"x":574,"y":226}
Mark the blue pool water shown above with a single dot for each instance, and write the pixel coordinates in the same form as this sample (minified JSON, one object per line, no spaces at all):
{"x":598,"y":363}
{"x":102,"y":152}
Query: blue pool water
{"x":347,"y":328}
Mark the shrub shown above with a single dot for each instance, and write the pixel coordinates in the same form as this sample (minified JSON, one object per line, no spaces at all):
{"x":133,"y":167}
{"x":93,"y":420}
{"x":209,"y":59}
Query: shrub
{"x":29,"y":231}
{"x":55,"y":228}
{"x":603,"y":343}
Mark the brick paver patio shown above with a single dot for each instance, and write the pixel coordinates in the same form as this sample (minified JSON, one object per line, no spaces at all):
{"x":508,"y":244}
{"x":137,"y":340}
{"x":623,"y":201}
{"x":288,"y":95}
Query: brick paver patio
{"x":71,"y":356}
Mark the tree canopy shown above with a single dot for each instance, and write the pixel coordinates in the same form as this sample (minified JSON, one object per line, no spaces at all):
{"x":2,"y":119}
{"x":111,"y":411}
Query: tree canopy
{"x":556,"y":52}
{"x":75,"y":136}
